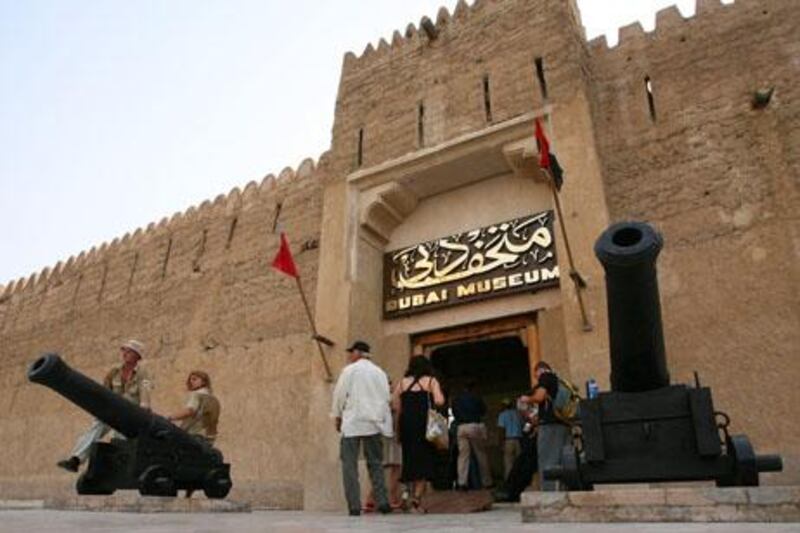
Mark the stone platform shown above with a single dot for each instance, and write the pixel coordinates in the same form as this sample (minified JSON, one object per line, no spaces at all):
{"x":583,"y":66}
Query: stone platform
{"x":133,"y":503}
{"x":700,"y":504}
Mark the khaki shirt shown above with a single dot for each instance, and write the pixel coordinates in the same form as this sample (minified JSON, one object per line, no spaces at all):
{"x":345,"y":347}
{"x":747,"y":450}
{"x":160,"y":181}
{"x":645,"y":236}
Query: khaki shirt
{"x":206,"y":414}
{"x":136,"y":390}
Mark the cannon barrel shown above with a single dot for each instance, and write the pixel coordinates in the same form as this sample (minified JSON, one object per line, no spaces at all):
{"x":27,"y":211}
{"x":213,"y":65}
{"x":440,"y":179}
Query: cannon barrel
{"x":120,"y":414}
{"x":628,"y":252}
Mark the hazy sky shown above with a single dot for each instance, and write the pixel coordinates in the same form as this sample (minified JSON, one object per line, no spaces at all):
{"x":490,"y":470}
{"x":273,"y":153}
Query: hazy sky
{"x":116,"y":113}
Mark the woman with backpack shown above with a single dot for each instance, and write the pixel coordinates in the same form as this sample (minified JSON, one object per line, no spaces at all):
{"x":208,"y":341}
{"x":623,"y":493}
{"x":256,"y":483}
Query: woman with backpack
{"x":201,"y":414}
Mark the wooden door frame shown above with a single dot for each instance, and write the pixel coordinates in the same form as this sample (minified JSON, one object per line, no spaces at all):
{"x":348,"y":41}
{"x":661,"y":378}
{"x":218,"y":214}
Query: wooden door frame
{"x":525,"y":326}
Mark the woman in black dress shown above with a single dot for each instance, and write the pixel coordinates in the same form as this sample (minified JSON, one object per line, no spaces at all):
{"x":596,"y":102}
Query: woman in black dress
{"x":412,"y":398}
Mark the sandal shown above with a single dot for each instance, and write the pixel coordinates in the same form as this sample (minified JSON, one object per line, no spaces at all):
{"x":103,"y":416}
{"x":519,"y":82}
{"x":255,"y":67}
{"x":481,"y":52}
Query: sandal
{"x":405,"y":501}
{"x":416,"y":506}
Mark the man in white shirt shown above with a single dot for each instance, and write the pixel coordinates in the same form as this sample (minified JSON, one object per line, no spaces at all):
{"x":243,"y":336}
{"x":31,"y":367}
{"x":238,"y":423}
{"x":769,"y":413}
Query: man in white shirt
{"x":361,"y":409}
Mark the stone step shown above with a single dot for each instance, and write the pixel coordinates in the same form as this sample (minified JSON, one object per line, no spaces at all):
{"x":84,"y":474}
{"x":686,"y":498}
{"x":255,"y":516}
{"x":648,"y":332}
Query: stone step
{"x":679,"y":504}
{"x":134,"y":503}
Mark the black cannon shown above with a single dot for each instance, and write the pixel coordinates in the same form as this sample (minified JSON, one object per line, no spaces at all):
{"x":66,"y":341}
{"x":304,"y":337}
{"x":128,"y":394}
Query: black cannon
{"x":156,"y":457}
{"x":646,"y":430}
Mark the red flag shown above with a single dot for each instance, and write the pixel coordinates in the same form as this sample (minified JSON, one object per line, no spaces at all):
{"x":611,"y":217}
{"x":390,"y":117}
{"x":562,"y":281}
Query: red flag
{"x":544,"y":146}
{"x":283,"y":260}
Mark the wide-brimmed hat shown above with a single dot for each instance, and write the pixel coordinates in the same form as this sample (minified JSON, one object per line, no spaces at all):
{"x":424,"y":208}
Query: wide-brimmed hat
{"x":359,"y":346}
{"x":134,"y":346}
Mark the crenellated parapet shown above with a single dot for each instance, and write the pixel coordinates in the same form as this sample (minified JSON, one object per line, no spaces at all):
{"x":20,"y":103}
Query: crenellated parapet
{"x":123,"y":257}
{"x":671,"y":24}
{"x":425,"y":31}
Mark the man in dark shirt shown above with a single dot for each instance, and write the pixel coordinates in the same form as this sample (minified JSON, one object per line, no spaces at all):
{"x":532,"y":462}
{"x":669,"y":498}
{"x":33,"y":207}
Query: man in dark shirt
{"x":468,"y":410}
{"x":553,"y":434}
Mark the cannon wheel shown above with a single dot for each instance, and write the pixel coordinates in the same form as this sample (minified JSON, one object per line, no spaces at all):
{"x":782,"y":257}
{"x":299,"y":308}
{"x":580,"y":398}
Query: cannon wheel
{"x":571,"y":468}
{"x":86,"y":486}
{"x":157,"y":481}
{"x":744,"y":457}
{"x":217,"y":484}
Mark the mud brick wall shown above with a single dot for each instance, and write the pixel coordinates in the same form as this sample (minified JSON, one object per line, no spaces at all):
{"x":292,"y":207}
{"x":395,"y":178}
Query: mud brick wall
{"x":199,"y":291}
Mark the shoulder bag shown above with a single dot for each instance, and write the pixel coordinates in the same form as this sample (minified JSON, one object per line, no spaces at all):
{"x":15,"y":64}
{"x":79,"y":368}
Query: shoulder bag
{"x":436,"y":429}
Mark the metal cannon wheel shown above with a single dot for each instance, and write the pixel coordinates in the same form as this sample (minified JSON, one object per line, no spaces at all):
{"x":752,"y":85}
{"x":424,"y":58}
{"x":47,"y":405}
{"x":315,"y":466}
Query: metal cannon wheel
{"x":568,"y":473}
{"x":217,"y":483}
{"x":571,"y":474}
{"x":744,"y":456}
{"x":157,"y":481}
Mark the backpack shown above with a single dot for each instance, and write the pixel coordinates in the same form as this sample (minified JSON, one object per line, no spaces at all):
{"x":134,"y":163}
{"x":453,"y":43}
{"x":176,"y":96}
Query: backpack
{"x":566,"y":402}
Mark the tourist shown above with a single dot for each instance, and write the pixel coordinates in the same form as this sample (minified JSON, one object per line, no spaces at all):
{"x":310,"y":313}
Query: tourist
{"x":362,"y":413}
{"x":469,"y":410}
{"x":510,"y":423}
{"x":413,"y":396}
{"x":200,"y":415}
{"x":553,"y":434}
{"x":127,"y":380}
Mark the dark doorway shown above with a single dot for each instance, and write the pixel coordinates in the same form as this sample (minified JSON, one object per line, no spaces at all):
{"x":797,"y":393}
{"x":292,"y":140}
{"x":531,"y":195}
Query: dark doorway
{"x":501,"y":369}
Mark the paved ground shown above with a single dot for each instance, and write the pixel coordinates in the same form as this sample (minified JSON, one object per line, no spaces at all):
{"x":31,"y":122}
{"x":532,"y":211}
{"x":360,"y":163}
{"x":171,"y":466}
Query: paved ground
{"x":505,"y":520}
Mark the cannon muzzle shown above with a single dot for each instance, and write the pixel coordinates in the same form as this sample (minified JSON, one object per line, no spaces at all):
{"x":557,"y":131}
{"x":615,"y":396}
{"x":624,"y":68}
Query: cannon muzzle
{"x":628,"y":252}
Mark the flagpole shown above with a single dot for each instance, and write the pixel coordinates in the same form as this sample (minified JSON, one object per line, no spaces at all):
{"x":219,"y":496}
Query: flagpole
{"x":573,"y":273}
{"x":284,"y":262}
{"x":314,"y":330}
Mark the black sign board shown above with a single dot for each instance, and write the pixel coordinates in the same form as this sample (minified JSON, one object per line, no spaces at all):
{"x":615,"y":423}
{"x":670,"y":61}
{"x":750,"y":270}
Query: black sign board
{"x":510,"y":257}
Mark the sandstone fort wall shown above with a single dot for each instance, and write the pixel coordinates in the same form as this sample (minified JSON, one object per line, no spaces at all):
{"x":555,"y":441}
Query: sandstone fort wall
{"x":199,"y":291}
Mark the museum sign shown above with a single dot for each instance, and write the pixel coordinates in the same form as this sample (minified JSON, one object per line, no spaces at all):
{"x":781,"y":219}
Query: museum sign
{"x":506,"y":258}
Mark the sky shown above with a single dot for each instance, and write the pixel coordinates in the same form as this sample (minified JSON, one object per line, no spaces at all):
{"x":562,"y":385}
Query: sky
{"x":115,"y":114}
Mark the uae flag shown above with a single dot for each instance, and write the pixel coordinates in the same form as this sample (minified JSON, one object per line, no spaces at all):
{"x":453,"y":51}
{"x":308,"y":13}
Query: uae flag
{"x":547,"y":159}
{"x":283,"y":260}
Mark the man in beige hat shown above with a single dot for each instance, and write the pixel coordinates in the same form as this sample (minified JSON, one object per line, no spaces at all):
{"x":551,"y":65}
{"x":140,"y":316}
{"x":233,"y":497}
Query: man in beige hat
{"x":127,"y":380}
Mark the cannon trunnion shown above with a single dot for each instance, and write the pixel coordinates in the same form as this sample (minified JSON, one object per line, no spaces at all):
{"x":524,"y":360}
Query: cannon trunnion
{"x":646,"y":430}
{"x":155,"y":457}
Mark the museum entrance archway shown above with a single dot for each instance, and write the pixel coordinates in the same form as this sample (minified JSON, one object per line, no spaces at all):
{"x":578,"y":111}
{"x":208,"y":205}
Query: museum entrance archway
{"x":499,"y":355}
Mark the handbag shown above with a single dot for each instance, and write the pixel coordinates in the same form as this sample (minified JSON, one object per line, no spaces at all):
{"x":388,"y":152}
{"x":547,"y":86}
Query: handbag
{"x":436,"y":429}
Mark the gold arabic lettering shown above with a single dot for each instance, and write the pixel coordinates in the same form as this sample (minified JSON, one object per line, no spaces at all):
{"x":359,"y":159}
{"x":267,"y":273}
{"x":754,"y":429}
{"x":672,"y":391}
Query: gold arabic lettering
{"x":449,"y":259}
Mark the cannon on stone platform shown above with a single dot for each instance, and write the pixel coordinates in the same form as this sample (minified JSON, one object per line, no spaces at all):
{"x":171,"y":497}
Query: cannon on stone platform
{"x":156,"y":457}
{"x":646,"y":430}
